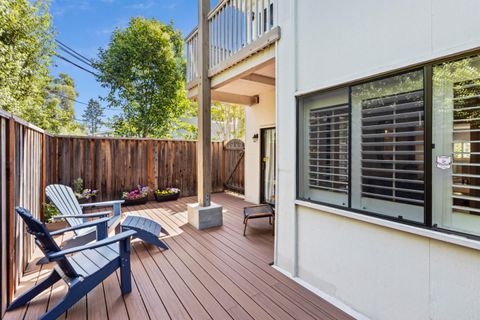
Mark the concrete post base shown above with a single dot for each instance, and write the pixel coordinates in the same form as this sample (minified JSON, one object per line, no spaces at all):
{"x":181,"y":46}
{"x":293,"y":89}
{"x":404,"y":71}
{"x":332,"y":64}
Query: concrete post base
{"x":205,"y":217}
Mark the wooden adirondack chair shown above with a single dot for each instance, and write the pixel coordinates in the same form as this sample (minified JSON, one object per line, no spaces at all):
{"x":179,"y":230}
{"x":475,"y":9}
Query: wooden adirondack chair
{"x":66,"y":202}
{"x":84,"y":270}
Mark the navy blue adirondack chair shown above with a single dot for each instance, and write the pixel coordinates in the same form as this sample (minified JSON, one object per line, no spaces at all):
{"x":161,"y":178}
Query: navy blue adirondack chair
{"x":64,"y":199}
{"x":71,"y":210}
{"x":82,"y":268}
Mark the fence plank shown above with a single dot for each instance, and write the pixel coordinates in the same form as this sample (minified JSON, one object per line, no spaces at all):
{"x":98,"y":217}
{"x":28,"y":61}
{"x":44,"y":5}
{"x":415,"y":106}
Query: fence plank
{"x":3,"y":217}
{"x":10,"y":207}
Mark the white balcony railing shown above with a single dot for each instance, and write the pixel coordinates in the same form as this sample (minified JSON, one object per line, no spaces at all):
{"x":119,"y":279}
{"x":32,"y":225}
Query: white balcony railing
{"x":233,"y":25}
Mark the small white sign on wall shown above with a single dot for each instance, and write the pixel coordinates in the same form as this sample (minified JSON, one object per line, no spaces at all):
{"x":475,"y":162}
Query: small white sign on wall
{"x":444,"y":162}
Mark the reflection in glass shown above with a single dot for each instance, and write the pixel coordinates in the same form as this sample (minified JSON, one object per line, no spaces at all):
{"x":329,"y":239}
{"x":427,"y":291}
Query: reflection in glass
{"x":324,"y":134}
{"x":389,"y":117}
{"x":456,"y":123}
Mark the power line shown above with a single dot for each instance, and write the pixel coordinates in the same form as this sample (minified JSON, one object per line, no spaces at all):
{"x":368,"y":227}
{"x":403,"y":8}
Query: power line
{"x":76,"y":65}
{"x":78,"y":55}
{"x":65,"y":97}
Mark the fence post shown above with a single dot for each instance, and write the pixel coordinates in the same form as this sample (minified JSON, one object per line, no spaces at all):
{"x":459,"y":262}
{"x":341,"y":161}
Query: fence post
{"x":223,"y":174}
{"x":43,"y":175}
{"x":10,"y":167}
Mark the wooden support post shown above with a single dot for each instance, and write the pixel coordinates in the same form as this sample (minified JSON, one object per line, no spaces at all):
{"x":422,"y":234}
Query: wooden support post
{"x":204,"y":214}
{"x":204,"y":106}
{"x":11,"y":208}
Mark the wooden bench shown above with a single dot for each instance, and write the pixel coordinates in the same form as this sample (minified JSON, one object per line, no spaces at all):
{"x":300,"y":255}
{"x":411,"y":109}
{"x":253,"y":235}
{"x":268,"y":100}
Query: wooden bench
{"x":258,"y":211}
{"x":147,"y":229}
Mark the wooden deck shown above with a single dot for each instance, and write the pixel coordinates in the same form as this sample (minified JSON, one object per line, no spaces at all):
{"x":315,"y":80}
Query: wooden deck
{"x":213,"y":274}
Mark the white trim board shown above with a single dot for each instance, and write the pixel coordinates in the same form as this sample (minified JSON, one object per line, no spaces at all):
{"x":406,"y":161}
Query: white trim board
{"x":436,"y":235}
{"x":332,"y":300}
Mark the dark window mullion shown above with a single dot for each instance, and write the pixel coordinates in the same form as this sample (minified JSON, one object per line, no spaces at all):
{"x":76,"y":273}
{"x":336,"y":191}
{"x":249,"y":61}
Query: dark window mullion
{"x":428,"y":146}
{"x":349,"y":142}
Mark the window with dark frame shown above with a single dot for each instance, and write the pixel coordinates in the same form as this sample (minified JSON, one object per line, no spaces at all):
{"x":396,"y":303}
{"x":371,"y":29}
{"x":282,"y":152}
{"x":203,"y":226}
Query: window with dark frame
{"x":381,"y":128}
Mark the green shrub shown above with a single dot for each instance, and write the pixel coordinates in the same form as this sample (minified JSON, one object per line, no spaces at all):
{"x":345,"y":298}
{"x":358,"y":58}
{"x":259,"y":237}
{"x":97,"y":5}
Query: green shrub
{"x":49,"y":211}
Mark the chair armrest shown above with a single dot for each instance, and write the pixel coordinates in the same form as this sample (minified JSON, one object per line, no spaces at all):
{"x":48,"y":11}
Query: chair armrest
{"x":82,"y":216}
{"x":101,"y":204}
{"x":116,"y":238}
{"x":81,"y":226}
{"x":116,"y":204}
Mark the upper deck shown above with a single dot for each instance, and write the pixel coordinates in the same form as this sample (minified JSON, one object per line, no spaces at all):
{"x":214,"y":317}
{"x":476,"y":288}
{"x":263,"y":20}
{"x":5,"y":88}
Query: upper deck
{"x":238,"y":30}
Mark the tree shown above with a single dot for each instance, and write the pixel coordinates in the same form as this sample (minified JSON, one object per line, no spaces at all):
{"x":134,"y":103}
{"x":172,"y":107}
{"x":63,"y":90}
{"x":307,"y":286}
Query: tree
{"x":93,"y":116}
{"x":26,"y":87}
{"x":26,"y":49}
{"x":228,"y":122}
{"x":144,"y":69}
{"x":61,"y":96}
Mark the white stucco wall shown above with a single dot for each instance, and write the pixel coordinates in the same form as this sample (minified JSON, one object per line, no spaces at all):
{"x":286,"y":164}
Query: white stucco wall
{"x":259,"y":116}
{"x":378,"y":271}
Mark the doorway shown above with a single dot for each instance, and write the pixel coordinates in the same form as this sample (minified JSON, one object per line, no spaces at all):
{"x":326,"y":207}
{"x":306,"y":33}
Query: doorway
{"x":267,"y":165}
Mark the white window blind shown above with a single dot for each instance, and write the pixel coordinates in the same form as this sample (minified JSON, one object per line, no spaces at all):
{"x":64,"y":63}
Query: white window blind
{"x":328,"y":148}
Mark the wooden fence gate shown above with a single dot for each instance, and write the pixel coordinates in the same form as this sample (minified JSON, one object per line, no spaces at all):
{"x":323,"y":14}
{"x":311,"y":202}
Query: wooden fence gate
{"x":234,"y":157}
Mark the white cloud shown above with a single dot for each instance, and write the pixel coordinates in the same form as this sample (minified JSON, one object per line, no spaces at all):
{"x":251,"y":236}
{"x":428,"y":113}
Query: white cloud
{"x":142,"y":5}
{"x":59,"y":7}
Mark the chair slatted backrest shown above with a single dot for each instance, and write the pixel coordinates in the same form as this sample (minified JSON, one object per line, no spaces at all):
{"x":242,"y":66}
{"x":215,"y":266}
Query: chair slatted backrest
{"x":66,"y":202}
{"x":44,"y":240}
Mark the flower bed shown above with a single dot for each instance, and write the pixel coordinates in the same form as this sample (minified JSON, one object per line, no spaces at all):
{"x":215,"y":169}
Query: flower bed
{"x":137,"y":196}
{"x":134,"y":202}
{"x":167,"y":194}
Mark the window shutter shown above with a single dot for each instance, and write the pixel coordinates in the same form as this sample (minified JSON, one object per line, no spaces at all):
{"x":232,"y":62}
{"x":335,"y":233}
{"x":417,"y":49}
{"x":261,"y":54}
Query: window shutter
{"x":328,"y":148}
{"x":392,"y":149}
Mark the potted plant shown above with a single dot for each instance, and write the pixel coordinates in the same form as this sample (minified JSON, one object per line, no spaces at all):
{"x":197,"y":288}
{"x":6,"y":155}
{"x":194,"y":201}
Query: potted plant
{"x":49,"y":212}
{"x":139,"y":195}
{"x":86,"y":195}
{"x":83,"y":195}
{"x":166,"y":194}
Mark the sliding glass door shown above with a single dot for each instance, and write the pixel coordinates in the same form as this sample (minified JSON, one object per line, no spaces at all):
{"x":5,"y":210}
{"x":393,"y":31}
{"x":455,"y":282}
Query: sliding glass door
{"x":268,"y":166}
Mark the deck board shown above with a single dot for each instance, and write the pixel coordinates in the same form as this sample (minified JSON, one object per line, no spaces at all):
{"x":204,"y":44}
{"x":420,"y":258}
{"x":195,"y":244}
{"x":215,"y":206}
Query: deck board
{"x":209,"y":274}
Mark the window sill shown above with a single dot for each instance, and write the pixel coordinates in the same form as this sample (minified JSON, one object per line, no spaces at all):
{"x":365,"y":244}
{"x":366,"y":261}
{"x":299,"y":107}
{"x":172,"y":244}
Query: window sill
{"x":436,"y":235}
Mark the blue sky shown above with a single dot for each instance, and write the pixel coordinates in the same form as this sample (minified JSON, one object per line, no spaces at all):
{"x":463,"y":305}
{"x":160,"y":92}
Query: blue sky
{"x":86,"y":25}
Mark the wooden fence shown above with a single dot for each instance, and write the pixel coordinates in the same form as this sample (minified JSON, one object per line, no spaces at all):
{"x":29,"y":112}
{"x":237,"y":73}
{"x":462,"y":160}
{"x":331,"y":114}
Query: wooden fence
{"x":30,"y":159}
{"x":22,"y":175}
{"x":114,"y":165}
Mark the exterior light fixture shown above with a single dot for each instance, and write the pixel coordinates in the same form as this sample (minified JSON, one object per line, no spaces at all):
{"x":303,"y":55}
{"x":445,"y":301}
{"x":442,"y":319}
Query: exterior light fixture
{"x":255,"y":137}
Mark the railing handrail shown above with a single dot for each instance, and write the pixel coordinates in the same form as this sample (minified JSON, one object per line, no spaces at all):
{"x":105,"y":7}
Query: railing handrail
{"x":233,"y":26}
{"x":191,"y":34}
{"x":217,"y":8}
{"x":212,"y":12}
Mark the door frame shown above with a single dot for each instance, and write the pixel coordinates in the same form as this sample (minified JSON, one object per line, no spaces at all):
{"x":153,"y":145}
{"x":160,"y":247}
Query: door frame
{"x":262,"y":170}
